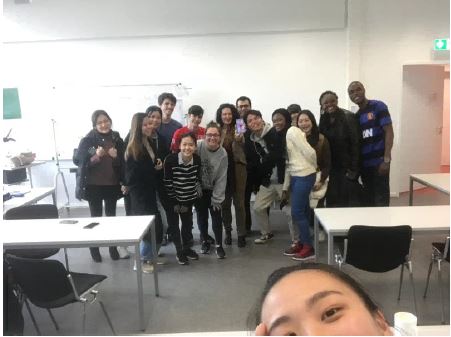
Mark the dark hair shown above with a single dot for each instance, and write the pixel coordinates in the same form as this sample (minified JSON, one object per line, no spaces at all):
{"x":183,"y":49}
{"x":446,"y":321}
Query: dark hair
{"x":213,"y":124}
{"x":235,"y":114}
{"x":327,"y":92}
{"x":252,"y":112}
{"x":285,"y":114}
{"x":153,"y":108}
{"x":254,"y":318}
{"x":96,"y":114}
{"x":243,"y":98}
{"x":188,"y":134}
{"x":356,"y":82}
{"x":166,"y":95}
{"x":196,"y":110}
{"x":313,"y":138}
{"x":294,"y":108}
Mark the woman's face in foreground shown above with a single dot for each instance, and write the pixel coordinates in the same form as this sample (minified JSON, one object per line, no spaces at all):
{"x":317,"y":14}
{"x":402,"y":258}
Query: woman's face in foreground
{"x":312,"y":302}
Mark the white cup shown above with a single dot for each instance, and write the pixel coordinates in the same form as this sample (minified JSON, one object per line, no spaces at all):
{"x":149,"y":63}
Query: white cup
{"x":406,"y":324}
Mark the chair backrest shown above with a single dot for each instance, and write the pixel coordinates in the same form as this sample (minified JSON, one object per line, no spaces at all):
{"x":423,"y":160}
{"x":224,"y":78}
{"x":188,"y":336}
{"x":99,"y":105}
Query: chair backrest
{"x":446,"y":251}
{"x":378,"y":249}
{"x":44,"y":282}
{"x":39,"y":211}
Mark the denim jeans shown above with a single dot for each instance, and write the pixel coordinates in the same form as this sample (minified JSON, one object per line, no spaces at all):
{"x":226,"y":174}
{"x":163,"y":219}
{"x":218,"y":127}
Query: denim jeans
{"x":145,"y":248}
{"x":300,"y":208}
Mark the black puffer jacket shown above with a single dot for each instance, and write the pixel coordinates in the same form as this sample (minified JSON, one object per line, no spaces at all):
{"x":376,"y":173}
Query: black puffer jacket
{"x":82,"y":156}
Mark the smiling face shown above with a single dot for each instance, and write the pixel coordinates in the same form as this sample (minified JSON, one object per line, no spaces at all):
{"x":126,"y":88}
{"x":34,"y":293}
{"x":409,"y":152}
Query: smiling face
{"x":103,"y":124}
{"x":155,"y":119}
{"x":329,"y":103}
{"x":167,"y":107}
{"x":194,"y":121}
{"x":147,"y":127}
{"x":226,"y":116}
{"x":312,"y":302}
{"x":305,"y":124}
{"x":279,"y":122}
{"x":212,"y":138}
{"x":187,"y":147}
{"x":255,"y":123}
{"x":356,"y":93}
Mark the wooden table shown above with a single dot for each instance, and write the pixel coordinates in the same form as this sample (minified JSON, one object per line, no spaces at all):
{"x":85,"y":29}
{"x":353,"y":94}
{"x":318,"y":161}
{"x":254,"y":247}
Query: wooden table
{"x":111,"y":231}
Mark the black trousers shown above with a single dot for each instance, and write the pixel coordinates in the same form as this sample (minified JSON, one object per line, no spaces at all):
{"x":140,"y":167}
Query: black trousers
{"x":99,"y":195}
{"x":342,"y":192}
{"x":203,"y":206}
{"x":247,"y":202}
{"x":181,"y":237}
{"x":376,"y":188}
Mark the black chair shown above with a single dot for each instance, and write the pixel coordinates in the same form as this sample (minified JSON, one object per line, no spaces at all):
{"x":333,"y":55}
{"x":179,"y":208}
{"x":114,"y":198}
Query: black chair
{"x":47,"y":284}
{"x":378,"y":250}
{"x":40,"y":211}
{"x":440,"y":252}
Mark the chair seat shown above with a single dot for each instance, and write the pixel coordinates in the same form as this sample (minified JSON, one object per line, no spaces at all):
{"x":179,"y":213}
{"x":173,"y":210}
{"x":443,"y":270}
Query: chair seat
{"x":83,"y":282}
{"x":39,"y":253}
{"x":439,"y":246}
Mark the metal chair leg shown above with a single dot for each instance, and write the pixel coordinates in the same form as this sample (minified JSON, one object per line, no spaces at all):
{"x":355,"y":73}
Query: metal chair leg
{"x":429,"y":276}
{"x":409,"y":264}
{"x":400,"y":281}
{"x":53,"y":320}
{"x":439,"y":274}
{"x":32,"y":317}
{"x":107,"y":317}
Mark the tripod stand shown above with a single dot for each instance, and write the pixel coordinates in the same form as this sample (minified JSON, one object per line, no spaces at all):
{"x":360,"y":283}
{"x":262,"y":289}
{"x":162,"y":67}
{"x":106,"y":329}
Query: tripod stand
{"x":59,"y":173}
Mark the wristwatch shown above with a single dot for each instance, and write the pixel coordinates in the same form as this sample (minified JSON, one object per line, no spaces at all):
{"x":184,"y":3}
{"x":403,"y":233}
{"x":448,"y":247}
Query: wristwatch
{"x":387,"y":160}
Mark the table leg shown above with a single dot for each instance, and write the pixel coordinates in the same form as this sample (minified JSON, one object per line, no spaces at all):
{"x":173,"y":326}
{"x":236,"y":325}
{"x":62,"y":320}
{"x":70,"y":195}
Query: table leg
{"x":410,"y":191}
{"x":139,"y":277}
{"x":29,"y":176}
{"x":154,"y":257}
{"x":330,"y":248}
{"x":315,"y":227}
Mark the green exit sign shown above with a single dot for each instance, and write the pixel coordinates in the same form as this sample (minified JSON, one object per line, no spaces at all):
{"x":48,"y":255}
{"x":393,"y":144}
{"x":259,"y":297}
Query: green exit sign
{"x":441,"y":44}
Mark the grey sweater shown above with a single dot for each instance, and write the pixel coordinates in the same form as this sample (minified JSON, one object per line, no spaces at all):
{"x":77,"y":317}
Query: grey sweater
{"x":213,"y":171}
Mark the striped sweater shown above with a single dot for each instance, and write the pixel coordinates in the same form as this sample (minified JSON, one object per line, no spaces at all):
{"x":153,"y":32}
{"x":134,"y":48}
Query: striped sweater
{"x":182,"y":180}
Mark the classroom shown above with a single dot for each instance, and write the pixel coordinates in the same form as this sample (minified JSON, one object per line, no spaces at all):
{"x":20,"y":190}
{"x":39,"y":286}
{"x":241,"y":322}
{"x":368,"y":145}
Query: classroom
{"x":63,"y":60}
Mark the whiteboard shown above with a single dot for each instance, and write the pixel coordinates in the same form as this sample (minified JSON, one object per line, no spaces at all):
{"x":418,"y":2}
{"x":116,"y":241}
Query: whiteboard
{"x":69,"y":110}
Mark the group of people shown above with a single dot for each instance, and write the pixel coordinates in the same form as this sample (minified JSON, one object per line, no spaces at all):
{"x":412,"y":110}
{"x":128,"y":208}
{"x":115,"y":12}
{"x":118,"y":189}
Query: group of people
{"x":166,"y":169}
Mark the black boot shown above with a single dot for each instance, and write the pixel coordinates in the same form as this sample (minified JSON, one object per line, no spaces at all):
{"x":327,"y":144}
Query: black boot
{"x":114,"y":253}
{"x":228,"y":238}
{"x":242,"y":241}
{"x":95,"y":254}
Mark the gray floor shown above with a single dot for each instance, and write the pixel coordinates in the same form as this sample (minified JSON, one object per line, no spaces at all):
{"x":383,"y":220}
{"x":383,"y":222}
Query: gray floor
{"x":217,"y":295}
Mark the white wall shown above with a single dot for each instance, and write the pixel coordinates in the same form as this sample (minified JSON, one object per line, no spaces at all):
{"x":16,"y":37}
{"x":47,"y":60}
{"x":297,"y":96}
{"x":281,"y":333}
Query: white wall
{"x":422,"y":117}
{"x":393,"y":34}
{"x":310,"y":54}
{"x":445,"y":128}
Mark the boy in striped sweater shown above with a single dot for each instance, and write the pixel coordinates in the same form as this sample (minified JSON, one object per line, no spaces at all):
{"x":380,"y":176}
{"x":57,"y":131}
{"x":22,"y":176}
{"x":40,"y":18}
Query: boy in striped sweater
{"x":182,"y":182}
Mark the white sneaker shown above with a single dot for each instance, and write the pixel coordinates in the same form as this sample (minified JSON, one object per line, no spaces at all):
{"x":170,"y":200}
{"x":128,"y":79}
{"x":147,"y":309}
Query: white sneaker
{"x":146,"y":267}
{"x":123,"y":252}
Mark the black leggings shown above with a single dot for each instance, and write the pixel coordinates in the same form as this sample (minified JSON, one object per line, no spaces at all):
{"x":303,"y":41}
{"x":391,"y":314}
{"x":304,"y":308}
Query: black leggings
{"x":203,"y":205}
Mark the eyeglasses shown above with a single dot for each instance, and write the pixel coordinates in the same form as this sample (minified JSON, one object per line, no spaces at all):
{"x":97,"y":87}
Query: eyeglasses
{"x":212,"y":135}
{"x":106,"y":122}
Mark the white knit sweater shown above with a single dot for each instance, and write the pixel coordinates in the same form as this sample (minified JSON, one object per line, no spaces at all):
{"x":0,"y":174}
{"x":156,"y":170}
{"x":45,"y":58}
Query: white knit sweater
{"x":301,"y":159}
